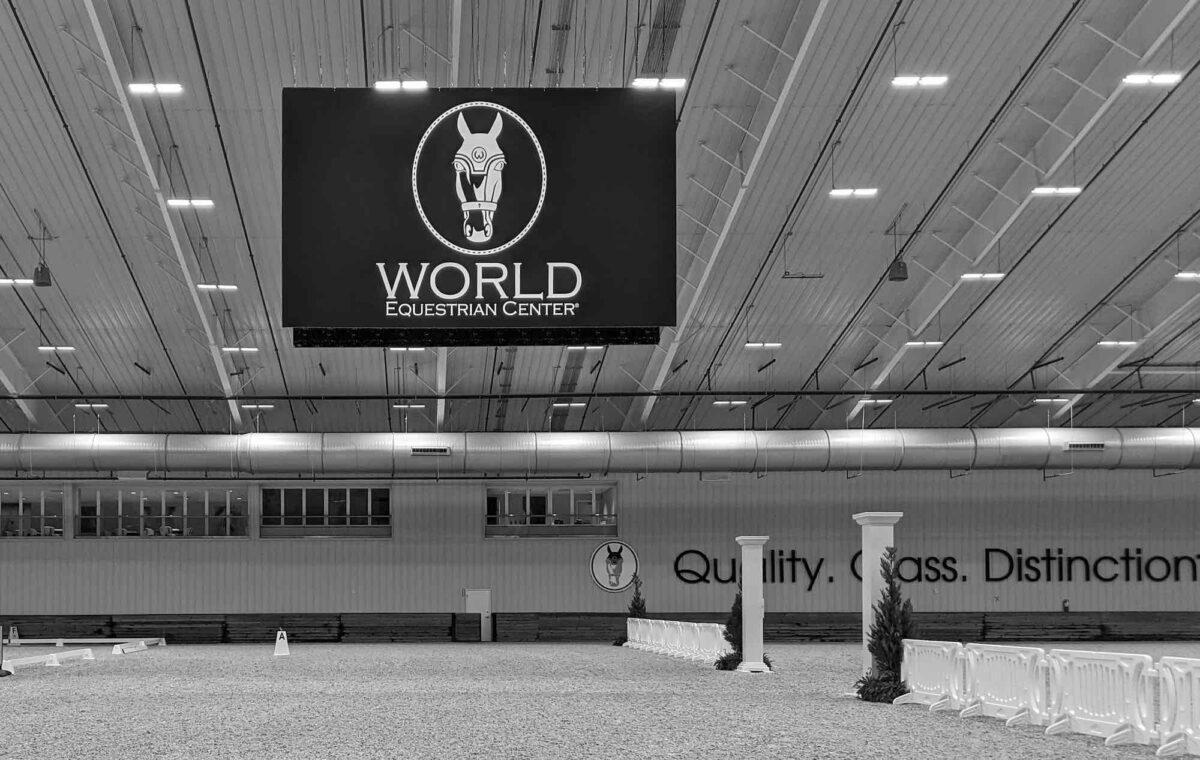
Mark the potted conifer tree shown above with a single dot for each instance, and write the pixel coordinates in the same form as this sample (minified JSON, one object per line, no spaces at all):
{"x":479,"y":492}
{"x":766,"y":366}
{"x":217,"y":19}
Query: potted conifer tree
{"x":892,"y":624}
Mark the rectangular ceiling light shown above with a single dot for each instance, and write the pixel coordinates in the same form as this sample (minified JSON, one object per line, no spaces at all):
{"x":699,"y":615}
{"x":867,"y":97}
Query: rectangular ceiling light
{"x":192,"y":202}
{"x":56,"y":348}
{"x":973,"y":276}
{"x":240,"y":349}
{"x":415,"y":84}
{"x":91,"y":406}
{"x":214,"y":286}
{"x":645,"y":83}
{"x":1167,"y":78}
{"x":568,"y":404}
{"x":1178,"y":276}
{"x":1117,"y":343}
{"x":856,"y":192}
{"x":1046,"y":190}
{"x":728,"y":403}
{"x":585,"y":348}
{"x":757,"y":344}
{"x":917,"y":81}
{"x":150,"y":88}
{"x":258,"y":406}
{"x":1050,"y":400}
{"x":674,"y":83}
{"x":389,"y":85}
{"x":400,"y":348}
{"x":875,"y":401}
{"x":408,"y":406}
{"x":924,"y":343}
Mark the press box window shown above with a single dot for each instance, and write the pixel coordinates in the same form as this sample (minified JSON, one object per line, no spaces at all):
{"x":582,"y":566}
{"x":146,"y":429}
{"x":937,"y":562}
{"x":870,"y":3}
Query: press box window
{"x":183,"y":512}
{"x":31,"y":512}
{"x":298,"y":512}
{"x":550,"y":510}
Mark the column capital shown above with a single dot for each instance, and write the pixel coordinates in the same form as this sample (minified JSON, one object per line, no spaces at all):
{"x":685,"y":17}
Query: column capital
{"x":752,"y":540}
{"x":877,"y":518}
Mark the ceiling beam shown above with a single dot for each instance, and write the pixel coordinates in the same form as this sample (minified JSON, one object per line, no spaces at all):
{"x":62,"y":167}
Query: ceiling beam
{"x":659,"y":366}
{"x":214,"y":349}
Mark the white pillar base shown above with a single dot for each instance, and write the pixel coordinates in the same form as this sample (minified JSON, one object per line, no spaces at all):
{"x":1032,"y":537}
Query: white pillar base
{"x":753,"y":667}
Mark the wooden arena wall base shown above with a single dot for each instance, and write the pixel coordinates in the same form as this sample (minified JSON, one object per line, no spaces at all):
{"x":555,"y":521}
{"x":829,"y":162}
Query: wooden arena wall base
{"x":599,"y":627}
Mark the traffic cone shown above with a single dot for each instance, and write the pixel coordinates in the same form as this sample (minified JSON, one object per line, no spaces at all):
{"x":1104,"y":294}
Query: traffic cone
{"x":281,"y":645}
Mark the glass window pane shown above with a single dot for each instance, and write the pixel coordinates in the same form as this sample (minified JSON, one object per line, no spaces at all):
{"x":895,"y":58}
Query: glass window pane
{"x":88,"y":525}
{"x":52,"y":509}
{"x":109,"y":506}
{"x":516,"y":507}
{"x":493,"y":508}
{"x":293,"y":506}
{"x":584,"y":503}
{"x":560,"y":505}
{"x":196,"y":510}
{"x":172,"y":522}
{"x":272,"y":506}
{"x":337,"y":506}
{"x":11,"y":523}
{"x":380,"y":507}
{"x":358,"y":506}
{"x":537,"y":507}
{"x":314,"y":506}
{"x":237,"y":513}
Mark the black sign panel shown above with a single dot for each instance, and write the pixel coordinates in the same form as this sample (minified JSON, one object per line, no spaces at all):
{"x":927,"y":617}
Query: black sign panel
{"x":476,"y":209}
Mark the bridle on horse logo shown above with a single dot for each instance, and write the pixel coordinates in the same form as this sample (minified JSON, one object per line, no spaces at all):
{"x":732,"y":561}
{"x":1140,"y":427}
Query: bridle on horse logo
{"x":478,"y":167}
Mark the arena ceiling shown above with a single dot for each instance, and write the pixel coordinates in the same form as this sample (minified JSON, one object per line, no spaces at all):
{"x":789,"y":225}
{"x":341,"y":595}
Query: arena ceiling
{"x":1089,"y":326}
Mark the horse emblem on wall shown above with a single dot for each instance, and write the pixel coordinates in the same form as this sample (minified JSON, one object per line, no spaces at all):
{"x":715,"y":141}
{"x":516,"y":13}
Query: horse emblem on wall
{"x":614,"y":564}
{"x":478,"y":180}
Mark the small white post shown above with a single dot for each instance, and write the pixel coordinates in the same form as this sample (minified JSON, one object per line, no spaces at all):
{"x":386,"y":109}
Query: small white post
{"x":752,"y":604}
{"x":877,"y":536}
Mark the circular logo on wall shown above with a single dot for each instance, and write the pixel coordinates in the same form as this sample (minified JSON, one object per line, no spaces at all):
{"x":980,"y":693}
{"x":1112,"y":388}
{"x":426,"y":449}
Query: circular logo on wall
{"x":479,"y":178}
{"x":614,"y":564}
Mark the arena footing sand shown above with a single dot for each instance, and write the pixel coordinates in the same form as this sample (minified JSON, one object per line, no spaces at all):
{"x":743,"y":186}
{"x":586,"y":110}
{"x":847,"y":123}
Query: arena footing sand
{"x":489,"y":701}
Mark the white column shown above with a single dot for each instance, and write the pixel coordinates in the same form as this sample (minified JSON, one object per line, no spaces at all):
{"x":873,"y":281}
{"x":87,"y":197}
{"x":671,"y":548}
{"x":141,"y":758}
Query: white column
{"x":877,"y":535}
{"x":752,"y":604}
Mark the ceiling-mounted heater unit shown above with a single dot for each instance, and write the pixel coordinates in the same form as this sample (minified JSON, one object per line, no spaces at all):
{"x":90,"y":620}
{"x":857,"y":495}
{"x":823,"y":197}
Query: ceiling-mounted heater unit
{"x":430,"y":451}
{"x":1075,"y":446}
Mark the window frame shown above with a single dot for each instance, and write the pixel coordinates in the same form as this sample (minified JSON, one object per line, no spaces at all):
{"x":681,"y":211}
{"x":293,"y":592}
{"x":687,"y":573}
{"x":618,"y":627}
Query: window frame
{"x":506,"y":524}
{"x":41,"y":488}
{"x":347,"y":524}
{"x":134,"y":498}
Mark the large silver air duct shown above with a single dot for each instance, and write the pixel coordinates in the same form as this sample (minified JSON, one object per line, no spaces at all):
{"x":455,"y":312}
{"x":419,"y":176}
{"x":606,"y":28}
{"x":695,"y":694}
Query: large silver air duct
{"x":539,"y":454}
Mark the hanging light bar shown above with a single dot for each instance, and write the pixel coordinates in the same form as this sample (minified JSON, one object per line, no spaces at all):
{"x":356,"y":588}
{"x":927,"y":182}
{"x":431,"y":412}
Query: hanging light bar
{"x":568,"y":404}
{"x":855,"y":192}
{"x":214,"y":286}
{"x":190,"y":202}
{"x":91,"y":406}
{"x":258,"y":406}
{"x":907,"y":81}
{"x":240,"y":349}
{"x":972,"y":276}
{"x":924,"y":343}
{"x":408,"y":406}
{"x":756,"y":344}
{"x":1046,"y":190}
{"x":1166,"y":78}
{"x":151,"y":88}
{"x":1116,"y":343}
{"x":56,"y":349}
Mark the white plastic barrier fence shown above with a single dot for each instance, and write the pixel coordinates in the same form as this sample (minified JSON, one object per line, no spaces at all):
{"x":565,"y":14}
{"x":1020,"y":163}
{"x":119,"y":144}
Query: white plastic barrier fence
{"x":1179,"y":706}
{"x":934,"y":672}
{"x":137,"y":645}
{"x":49,"y":660}
{"x":1105,"y":694}
{"x":701,"y":642}
{"x":1006,"y":682}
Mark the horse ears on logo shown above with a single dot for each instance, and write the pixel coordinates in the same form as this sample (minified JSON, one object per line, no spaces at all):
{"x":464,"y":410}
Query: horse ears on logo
{"x":463,"y":129}
{"x":494,"y":132}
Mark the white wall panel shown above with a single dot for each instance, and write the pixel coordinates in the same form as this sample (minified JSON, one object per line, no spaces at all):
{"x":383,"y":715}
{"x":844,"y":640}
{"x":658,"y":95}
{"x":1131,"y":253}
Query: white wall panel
{"x":438,"y":549}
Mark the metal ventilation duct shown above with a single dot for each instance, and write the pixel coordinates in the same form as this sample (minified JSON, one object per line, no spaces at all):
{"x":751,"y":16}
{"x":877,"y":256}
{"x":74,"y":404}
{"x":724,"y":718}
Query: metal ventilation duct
{"x":528,"y":454}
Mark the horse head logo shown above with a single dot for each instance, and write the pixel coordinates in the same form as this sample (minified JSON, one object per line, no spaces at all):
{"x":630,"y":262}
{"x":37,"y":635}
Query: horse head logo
{"x":613,"y":563}
{"x":478,"y":165}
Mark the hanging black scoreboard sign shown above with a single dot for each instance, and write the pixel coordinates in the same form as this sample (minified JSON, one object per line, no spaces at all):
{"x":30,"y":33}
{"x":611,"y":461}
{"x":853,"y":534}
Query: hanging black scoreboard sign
{"x":478,"y":216}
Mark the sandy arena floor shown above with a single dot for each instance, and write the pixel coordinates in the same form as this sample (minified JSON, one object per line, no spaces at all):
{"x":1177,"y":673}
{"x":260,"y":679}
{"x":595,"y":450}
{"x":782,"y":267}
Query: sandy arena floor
{"x":486,"y":701}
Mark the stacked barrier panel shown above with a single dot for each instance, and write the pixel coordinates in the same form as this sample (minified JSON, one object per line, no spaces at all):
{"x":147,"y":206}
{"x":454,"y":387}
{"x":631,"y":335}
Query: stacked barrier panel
{"x":1105,"y":694}
{"x":1179,"y":711}
{"x":934,"y":672}
{"x":1006,"y":682}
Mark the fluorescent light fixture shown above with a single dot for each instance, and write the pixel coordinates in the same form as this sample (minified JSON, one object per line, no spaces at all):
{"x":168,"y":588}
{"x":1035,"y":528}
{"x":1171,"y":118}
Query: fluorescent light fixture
{"x":192,"y":202}
{"x":1167,"y":78}
{"x":169,"y":88}
{"x":415,"y":84}
{"x":585,"y":348}
{"x":1046,"y":190}
{"x":214,"y":286}
{"x":924,"y":343}
{"x":906,"y":81}
{"x":142,"y":88}
{"x":18,"y":281}
{"x":1178,"y":276}
{"x":874,"y":401}
{"x":1117,"y":343}
{"x":1050,"y":400}
{"x":56,"y":348}
{"x":909,"y":80}
{"x":240,"y":349}
{"x":674,"y":83}
{"x":857,"y":192}
{"x":389,"y":85}
{"x":149,"y":88}
{"x":398,"y":348}
{"x":645,"y":83}
{"x":729,"y":403}
{"x":202,"y":203}
{"x":91,"y":406}
{"x":758,"y":344}
{"x":408,"y":406}
{"x":178,"y":202}
{"x":568,"y":404}
{"x":982,"y":276}
{"x":258,"y":406}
